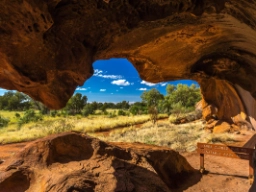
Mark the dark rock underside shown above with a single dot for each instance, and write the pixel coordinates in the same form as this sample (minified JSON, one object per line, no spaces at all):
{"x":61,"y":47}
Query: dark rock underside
{"x":47,"y":47}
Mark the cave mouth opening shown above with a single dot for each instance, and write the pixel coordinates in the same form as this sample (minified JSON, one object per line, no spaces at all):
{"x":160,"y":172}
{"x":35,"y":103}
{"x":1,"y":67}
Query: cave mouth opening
{"x":116,"y":80}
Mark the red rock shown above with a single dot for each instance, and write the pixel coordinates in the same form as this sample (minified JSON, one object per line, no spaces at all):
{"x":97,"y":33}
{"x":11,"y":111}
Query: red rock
{"x":47,"y":47}
{"x":72,"y":162}
{"x":221,"y":127}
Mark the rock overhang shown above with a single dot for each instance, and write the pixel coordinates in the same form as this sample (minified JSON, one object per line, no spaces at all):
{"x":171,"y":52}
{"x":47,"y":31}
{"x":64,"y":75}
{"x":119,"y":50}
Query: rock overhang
{"x":47,"y":47}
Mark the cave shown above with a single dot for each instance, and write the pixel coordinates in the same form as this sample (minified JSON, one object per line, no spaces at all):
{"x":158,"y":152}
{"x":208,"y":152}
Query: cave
{"x":47,"y":48}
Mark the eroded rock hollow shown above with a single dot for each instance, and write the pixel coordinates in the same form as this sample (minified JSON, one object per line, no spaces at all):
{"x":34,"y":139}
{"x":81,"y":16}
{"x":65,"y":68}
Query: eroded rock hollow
{"x":47,"y":47}
{"x":72,"y":162}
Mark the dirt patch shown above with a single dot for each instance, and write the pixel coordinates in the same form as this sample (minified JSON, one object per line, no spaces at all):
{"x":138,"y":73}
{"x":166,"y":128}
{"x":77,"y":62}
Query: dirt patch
{"x":223,"y":174}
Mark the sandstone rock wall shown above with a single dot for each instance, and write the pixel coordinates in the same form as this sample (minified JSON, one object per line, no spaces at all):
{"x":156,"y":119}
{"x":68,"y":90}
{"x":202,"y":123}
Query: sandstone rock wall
{"x":47,"y":47}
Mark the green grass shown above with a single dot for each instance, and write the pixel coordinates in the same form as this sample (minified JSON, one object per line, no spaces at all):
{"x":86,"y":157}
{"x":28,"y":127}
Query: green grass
{"x":11,"y":115}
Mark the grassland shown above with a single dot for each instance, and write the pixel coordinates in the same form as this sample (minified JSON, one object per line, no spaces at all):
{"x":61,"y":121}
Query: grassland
{"x":182,"y":138}
{"x":52,"y":125}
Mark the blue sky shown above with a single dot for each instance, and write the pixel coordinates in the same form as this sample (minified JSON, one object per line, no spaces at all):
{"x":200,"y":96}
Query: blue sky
{"x":116,"y":80}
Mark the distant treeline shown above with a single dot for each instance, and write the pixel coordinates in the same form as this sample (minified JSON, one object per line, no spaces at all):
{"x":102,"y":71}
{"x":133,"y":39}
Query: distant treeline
{"x":181,"y":97}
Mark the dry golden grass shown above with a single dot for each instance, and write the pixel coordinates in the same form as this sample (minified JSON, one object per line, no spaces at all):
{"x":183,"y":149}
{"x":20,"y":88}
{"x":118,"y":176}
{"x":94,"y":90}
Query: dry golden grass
{"x":183,"y":138}
{"x":53,"y":125}
{"x":179,"y":137}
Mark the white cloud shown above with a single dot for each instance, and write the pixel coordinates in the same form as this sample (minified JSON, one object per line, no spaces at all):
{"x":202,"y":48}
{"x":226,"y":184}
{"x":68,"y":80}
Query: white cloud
{"x":102,"y":90}
{"x":121,"y":87}
{"x":99,"y":73}
{"x":111,"y":76}
{"x":81,"y":89}
{"x":120,"y":82}
{"x":147,"y":83}
{"x":112,"y":93}
{"x":163,"y":84}
{"x":142,"y":89}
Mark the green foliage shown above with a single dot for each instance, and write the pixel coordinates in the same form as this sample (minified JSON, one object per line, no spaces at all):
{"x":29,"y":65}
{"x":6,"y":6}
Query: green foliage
{"x":186,"y":95}
{"x":122,"y":105}
{"x":17,"y":115}
{"x":152,"y":98}
{"x":88,"y":109}
{"x":178,"y":108}
{"x":105,"y":112}
{"x":29,"y":116}
{"x":14,"y":101}
{"x":138,"y":108}
{"x":76,"y":103}
{"x":3,"y":121}
{"x":111,"y":115}
{"x":104,"y":108}
{"x":121,"y":113}
{"x":53,"y":113}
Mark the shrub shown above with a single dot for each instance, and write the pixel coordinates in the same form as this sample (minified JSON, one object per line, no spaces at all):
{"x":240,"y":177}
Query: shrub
{"x":3,"y":121}
{"x":53,"y":113}
{"x":17,"y":115}
{"x":63,"y":113}
{"x":111,"y":115}
{"x":29,"y":116}
{"x":88,"y":110}
{"x":105,"y":112}
{"x":121,"y":113}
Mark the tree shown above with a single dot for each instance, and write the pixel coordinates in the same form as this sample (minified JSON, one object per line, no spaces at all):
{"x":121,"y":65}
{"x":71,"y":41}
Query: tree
{"x":88,"y":109}
{"x":76,"y":103}
{"x":14,"y":101}
{"x":181,"y":97}
{"x":123,"y":105}
{"x":151,"y":98}
{"x":138,"y":108}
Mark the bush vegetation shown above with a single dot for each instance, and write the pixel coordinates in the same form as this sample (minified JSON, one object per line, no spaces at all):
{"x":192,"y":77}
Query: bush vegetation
{"x":3,"y":121}
{"x":23,"y":119}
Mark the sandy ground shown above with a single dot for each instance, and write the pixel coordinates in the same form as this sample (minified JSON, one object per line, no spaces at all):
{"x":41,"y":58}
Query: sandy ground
{"x":223,"y":174}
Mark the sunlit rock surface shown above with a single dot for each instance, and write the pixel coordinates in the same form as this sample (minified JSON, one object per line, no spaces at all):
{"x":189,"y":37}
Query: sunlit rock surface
{"x":47,"y":47}
{"x":72,"y":162}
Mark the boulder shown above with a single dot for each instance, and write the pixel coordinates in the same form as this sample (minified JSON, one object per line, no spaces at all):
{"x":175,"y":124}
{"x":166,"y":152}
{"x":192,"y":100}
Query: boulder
{"x":221,"y":127}
{"x":73,"y":162}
